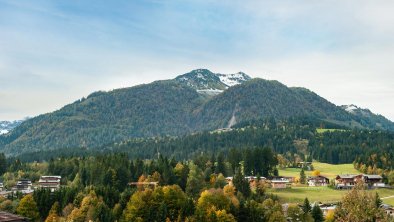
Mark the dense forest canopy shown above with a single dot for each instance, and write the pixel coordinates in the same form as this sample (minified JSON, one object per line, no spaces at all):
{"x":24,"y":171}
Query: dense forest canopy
{"x":294,"y":137}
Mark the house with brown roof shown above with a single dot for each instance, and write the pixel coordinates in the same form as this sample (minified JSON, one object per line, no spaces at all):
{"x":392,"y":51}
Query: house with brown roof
{"x":315,"y":181}
{"x":347,"y":181}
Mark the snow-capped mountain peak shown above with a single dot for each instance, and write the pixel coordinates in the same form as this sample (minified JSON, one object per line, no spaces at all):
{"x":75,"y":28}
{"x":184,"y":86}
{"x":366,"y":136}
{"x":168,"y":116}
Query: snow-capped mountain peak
{"x":207,"y":82}
{"x":233,"y":79}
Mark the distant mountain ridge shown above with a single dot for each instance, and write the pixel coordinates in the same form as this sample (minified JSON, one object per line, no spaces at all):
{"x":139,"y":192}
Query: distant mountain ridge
{"x":366,"y":117}
{"x":175,"y":107}
{"x":7,"y":126}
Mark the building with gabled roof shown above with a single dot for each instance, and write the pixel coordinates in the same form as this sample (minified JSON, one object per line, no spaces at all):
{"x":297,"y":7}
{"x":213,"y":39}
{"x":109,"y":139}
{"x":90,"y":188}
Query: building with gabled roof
{"x":50,"y":182}
{"x":315,"y":181}
{"x":347,"y":181}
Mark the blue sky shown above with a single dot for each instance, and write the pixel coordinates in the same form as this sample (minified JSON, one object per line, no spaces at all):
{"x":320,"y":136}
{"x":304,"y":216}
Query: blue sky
{"x":55,"y":52}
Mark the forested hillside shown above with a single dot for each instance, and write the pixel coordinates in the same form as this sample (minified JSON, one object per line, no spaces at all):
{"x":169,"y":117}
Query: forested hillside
{"x":174,"y":108}
{"x":293,"y":139}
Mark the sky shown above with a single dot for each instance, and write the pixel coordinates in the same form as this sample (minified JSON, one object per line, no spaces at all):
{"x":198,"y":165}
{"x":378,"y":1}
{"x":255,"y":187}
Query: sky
{"x":55,"y":52}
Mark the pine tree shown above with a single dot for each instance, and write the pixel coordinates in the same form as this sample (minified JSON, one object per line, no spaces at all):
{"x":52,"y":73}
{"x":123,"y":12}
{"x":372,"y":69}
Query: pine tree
{"x":306,"y":207}
{"x":3,"y":164}
{"x":241,"y":184}
{"x":378,"y":201}
{"x":317,"y":213}
{"x":302,"y":177}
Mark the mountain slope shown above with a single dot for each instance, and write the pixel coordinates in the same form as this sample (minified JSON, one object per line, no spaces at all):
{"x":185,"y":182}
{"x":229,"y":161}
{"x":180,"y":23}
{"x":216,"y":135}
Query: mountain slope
{"x":154,"y":109}
{"x":174,"y":107}
{"x":260,"y":98}
{"x":367,"y":118}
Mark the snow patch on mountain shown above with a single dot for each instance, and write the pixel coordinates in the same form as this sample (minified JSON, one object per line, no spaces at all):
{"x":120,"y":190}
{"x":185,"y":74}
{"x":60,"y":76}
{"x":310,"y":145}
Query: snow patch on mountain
{"x":209,"y":83}
{"x":350,"y":108}
{"x":210,"y":91}
{"x":233,"y":79}
{"x":7,"y":126}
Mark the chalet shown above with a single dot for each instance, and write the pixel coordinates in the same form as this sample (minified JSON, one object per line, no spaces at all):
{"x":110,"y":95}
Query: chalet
{"x":290,"y":179}
{"x":315,"y":181}
{"x":254,"y":178}
{"x":349,"y":180}
{"x":279,"y":184}
{"x":24,"y":186}
{"x":50,"y":182}
{"x":373,"y":181}
{"x":5,"y":216}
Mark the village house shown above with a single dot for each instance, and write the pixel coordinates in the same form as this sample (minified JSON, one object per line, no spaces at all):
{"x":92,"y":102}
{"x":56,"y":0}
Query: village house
{"x":24,"y":186}
{"x":315,"y":181}
{"x":50,"y":182}
{"x":347,"y":181}
{"x":254,"y":178}
{"x":280,"y":184}
{"x":290,"y":179}
{"x":373,"y":181}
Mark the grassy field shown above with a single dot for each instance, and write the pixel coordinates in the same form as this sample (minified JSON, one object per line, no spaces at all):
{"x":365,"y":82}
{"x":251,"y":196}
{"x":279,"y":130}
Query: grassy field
{"x":321,"y":194}
{"x":297,"y":194}
{"x":327,"y":170}
{"x":328,"y":130}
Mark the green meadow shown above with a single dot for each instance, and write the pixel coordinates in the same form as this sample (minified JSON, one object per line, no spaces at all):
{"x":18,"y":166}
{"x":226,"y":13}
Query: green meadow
{"x":327,"y":170}
{"x":298,"y":193}
{"x":322,"y":194}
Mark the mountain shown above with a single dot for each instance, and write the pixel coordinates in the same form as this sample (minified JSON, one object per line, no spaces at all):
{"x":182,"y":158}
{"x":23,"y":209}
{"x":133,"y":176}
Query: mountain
{"x":7,"y":126}
{"x":368,"y":118}
{"x":207,"y":82}
{"x":174,"y":107}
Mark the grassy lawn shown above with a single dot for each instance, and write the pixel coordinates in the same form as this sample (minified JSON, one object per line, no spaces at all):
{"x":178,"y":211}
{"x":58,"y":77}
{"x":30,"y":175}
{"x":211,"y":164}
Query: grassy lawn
{"x":297,"y":193}
{"x":331,"y":170}
{"x":321,"y":194}
{"x":328,"y":130}
{"x":327,"y":170}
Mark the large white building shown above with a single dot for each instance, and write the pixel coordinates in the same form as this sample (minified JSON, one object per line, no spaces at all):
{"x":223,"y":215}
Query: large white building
{"x":50,"y":182}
